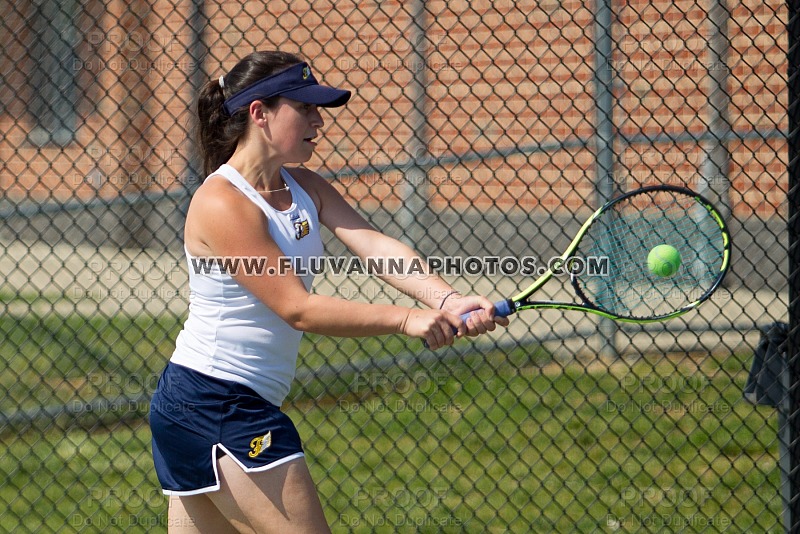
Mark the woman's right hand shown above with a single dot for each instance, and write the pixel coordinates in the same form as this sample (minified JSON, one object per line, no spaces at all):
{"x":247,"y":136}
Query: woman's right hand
{"x":436,"y":327}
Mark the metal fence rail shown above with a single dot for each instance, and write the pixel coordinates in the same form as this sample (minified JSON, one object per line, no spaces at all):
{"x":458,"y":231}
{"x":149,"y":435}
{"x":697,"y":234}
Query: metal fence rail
{"x":477,"y":129}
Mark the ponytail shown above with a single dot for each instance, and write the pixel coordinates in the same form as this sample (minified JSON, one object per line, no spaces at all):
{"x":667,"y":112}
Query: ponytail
{"x":220,"y":133}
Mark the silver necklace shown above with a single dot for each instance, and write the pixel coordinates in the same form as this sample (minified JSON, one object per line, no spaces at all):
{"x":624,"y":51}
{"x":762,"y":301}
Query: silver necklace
{"x":284,"y":188}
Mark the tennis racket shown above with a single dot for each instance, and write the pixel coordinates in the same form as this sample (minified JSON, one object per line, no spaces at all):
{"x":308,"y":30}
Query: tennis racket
{"x":607,"y":261}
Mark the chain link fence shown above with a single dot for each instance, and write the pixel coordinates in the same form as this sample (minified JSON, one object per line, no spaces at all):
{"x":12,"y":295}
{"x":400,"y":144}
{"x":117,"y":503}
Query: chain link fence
{"x":477,"y":130}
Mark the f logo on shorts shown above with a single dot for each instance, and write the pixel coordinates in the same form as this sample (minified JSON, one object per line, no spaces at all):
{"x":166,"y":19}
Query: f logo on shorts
{"x":259,"y":444}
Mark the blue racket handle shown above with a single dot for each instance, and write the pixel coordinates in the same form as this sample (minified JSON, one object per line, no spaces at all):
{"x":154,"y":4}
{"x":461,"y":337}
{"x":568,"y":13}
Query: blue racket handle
{"x":503,"y":308}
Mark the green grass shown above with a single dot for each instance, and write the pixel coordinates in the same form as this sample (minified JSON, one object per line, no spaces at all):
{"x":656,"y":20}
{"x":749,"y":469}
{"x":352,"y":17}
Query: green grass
{"x":549,"y":449}
{"x":51,"y":360}
{"x":490,"y":442}
{"x":80,"y":480}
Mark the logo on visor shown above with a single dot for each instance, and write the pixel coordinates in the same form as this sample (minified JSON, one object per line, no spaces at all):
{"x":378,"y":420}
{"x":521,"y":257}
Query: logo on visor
{"x":306,"y":73}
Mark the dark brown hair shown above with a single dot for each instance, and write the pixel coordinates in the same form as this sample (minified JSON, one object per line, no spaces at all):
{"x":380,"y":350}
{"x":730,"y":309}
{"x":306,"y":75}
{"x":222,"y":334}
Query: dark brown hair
{"x":219,"y":133}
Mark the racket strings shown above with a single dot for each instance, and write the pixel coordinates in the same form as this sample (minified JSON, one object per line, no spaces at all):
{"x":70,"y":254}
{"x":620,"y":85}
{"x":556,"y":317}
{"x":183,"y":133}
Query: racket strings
{"x":625,"y":235}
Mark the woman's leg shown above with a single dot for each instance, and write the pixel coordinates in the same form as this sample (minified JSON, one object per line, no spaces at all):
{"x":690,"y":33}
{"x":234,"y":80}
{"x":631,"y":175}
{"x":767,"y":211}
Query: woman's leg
{"x":282,"y":500}
{"x":196,"y":514}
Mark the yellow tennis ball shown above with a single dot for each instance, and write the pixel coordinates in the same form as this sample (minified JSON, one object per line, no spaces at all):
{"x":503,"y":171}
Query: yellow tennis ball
{"x":664,"y":260}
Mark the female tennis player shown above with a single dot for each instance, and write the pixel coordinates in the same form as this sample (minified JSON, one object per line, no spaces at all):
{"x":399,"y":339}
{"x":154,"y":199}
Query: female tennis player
{"x":226,"y":455}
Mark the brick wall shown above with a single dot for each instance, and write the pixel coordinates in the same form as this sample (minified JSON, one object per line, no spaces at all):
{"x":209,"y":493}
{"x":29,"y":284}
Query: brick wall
{"x":499,"y":75}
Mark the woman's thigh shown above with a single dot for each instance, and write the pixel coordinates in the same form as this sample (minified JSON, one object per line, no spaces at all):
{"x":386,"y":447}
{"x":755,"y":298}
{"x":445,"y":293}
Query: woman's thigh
{"x":196,"y":514}
{"x":282,"y":499}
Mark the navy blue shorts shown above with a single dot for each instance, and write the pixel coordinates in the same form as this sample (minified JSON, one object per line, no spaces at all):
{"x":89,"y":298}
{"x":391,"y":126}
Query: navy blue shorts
{"x":194,"y":418}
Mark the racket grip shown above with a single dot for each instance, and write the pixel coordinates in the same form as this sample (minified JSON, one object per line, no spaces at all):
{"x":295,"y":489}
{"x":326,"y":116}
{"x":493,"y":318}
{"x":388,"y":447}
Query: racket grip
{"x":502,"y":308}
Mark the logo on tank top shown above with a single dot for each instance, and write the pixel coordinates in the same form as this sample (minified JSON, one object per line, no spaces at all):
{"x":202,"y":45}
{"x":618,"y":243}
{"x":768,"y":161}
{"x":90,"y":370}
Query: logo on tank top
{"x":301,"y":228}
{"x":259,"y":444}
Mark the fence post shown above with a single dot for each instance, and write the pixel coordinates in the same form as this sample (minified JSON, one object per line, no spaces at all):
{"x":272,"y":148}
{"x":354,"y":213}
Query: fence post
{"x":716,"y":159}
{"x":198,"y":50}
{"x":792,"y":508}
{"x":414,"y":189}
{"x":604,"y":136}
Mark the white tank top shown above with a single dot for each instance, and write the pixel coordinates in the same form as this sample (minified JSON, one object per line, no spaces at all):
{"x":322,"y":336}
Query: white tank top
{"x":229,"y":333}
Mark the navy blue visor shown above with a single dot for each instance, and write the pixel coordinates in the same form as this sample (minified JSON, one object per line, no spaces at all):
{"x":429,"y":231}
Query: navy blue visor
{"x":296,"y":83}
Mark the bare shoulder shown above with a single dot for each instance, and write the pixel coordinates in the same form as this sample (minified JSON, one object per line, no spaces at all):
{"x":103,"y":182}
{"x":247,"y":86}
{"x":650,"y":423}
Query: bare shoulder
{"x":217,"y":196}
{"x":335,"y":211}
{"x":217,"y":201}
{"x":307,"y":178}
{"x":317,"y":187}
